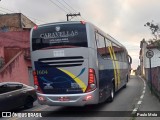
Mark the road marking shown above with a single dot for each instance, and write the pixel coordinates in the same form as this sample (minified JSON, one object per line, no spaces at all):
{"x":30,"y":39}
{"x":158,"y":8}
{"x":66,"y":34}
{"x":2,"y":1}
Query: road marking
{"x":143,"y":91}
{"x":141,"y":98}
{"x":139,"y":102}
{"x":134,"y":111}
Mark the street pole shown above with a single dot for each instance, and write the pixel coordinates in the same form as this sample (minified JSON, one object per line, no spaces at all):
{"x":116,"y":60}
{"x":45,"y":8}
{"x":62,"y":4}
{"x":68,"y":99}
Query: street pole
{"x":72,"y":15}
{"x":67,"y":17}
{"x":150,"y":54}
{"x":150,"y":70}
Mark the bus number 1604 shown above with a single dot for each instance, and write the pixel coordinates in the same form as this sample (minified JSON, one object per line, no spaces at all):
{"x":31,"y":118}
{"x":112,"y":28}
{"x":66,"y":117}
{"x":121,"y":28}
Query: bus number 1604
{"x":42,"y":72}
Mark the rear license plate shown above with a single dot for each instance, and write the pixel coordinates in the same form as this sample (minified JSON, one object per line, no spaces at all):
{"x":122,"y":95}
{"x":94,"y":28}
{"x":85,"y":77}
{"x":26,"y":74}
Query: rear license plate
{"x":63,"y":99}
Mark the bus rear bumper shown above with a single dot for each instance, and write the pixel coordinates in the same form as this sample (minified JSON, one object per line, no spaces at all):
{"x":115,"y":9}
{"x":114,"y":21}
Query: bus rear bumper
{"x":69,"y":99}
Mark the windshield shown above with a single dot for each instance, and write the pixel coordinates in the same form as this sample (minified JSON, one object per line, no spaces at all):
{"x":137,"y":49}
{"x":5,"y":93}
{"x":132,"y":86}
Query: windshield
{"x":59,"y":36}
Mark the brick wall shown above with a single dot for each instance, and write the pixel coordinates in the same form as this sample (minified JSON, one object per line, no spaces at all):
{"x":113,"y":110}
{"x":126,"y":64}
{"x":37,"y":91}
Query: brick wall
{"x":10,"y":22}
{"x":155,"y":79}
{"x":14,"y":22}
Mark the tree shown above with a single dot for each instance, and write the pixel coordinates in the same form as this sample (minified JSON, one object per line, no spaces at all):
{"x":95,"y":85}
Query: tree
{"x":155,"y":29}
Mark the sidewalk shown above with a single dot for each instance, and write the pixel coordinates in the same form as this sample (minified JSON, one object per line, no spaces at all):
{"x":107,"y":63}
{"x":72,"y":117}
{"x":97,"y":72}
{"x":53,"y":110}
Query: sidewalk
{"x":149,"y":103}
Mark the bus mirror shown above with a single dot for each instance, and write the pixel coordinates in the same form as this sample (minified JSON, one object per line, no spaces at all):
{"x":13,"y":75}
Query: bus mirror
{"x":129,"y":59}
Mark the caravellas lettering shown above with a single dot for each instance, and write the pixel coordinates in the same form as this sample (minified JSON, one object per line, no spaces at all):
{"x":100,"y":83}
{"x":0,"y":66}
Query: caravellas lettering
{"x":59,"y":34}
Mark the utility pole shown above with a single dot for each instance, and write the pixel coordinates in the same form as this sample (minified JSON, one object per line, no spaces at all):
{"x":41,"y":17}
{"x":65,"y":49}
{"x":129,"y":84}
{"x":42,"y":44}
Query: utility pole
{"x":150,"y":54}
{"x":72,"y":15}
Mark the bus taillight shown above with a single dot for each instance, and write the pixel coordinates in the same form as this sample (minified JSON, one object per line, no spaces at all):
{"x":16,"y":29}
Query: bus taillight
{"x":35,"y":27}
{"x":36,"y":83}
{"x":83,"y":22}
{"x":91,"y":80}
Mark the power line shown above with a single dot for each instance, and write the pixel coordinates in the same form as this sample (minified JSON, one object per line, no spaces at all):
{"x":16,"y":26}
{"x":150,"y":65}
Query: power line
{"x":16,"y":12}
{"x":7,"y":9}
{"x":64,"y":6}
{"x":37,"y":19}
{"x":72,"y":8}
{"x":3,"y":12}
{"x":69,"y":6}
{"x":58,"y":6}
{"x":83,"y":18}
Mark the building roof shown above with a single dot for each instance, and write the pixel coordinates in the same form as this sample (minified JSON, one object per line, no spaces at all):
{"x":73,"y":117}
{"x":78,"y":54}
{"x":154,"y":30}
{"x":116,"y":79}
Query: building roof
{"x":14,"y":22}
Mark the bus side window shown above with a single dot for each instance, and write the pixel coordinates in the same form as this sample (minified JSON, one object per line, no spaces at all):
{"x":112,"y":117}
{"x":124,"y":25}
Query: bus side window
{"x":108,"y":51}
{"x":101,"y":45}
{"x":119,"y":52}
{"x":125,"y":57}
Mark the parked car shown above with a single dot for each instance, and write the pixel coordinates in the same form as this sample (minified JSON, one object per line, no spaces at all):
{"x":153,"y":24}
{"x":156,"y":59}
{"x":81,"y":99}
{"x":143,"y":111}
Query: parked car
{"x":14,"y":95}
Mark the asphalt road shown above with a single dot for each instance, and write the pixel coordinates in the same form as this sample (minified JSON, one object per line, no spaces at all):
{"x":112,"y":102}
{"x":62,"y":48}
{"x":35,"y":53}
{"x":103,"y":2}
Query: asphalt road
{"x":125,"y":100}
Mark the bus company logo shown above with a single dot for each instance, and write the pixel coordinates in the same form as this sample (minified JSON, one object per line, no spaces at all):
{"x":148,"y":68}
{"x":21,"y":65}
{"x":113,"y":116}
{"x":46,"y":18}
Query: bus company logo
{"x":58,"y":28}
{"x":48,"y":86}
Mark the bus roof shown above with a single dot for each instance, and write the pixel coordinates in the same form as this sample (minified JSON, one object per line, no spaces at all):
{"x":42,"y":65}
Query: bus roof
{"x":84,"y":22}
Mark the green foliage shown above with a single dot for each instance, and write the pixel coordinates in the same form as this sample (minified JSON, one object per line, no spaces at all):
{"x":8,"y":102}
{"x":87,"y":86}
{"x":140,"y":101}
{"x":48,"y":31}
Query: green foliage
{"x":155,"y":32}
{"x":154,"y":28}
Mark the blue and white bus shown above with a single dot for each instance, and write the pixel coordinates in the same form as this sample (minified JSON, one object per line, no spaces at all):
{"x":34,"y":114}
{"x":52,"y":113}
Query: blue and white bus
{"x":76,"y":64}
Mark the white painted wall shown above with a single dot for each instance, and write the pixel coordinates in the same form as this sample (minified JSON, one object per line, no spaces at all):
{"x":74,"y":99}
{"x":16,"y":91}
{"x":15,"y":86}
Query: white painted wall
{"x":155,"y":60}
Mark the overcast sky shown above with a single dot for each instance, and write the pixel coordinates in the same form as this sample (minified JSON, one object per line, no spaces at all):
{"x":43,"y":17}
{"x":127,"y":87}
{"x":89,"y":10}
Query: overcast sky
{"x":122,"y":19}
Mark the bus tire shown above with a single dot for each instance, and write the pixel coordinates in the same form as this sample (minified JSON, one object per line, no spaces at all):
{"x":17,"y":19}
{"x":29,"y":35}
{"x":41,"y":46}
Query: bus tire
{"x":127,"y":78}
{"x":112,"y":93}
{"x":126,"y":83}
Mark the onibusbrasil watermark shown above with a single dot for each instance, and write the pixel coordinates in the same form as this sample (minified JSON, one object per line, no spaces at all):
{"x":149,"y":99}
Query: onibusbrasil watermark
{"x":21,"y":115}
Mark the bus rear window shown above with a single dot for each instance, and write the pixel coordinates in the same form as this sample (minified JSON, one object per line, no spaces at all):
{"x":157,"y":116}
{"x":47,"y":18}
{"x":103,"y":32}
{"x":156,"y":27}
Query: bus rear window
{"x":59,"y":36}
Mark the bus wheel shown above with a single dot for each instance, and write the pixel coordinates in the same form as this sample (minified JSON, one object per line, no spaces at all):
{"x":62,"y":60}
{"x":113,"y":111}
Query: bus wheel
{"x":112,"y":92}
{"x":126,"y":83}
